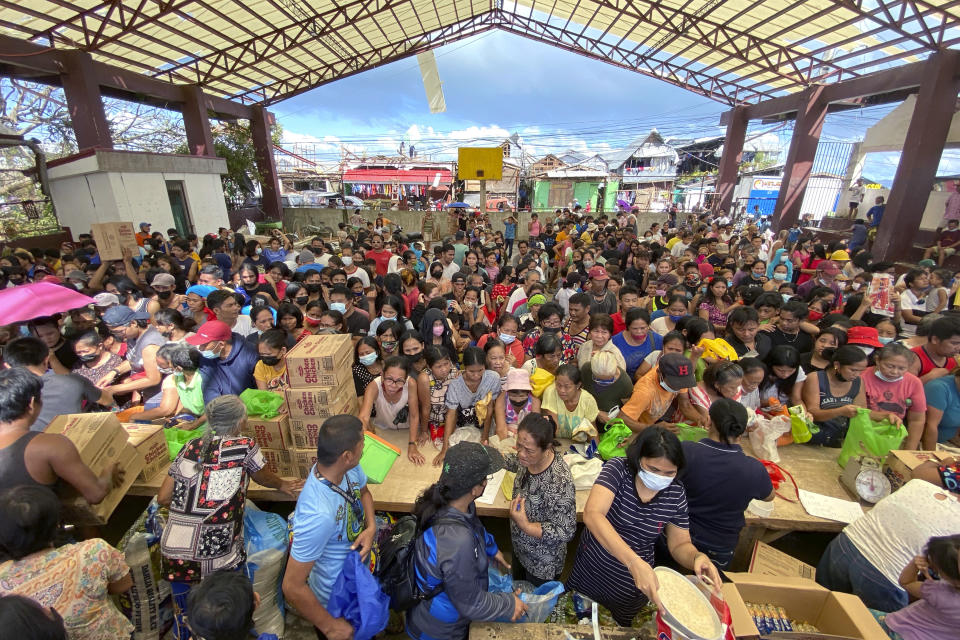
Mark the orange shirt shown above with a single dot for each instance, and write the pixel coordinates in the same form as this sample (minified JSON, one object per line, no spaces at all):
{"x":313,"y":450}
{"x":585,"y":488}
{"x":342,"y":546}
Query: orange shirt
{"x":141,"y":237}
{"x":649,"y":401}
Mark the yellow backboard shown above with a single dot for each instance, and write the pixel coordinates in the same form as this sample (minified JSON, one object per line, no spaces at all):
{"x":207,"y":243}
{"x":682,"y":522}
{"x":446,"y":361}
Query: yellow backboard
{"x":480,"y":163}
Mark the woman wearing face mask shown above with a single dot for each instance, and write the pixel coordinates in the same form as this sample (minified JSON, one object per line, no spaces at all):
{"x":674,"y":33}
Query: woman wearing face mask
{"x":472,"y":310}
{"x":634,"y":501}
{"x":94,"y":359}
{"x":506,"y":329}
{"x":311,"y":319}
{"x":824,"y":345}
{"x":182,"y":387}
{"x":251,"y":286}
{"x":637,"y":341}
{"x":887,"y":331}
{"x":432,"y":385}
{"x":367,"y":363}
{"x":297,"y":295}
{"x":436,"y":330}
{"x":170,"y":324}
{"x":411,"y":348}
{"x":890,"y":387}
{"x":834,"y":395}
{"x":391,"y":310}
{"x":253,"y":256}
{"x":675,"y":310}
{"x":360,"y":299}
{"x":313,"y":285}
{"x":436,"y":277}
{"x":390,"y":402}
{"x":470,"y":401}
{"x":388,"y":335}
{"x":271,"y":371}
{"x":779,"y":274}
{"x":497,"y":358}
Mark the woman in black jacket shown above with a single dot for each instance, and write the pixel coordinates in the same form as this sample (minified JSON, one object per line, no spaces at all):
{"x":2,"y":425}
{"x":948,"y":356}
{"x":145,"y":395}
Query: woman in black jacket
{"x":455,"y":550}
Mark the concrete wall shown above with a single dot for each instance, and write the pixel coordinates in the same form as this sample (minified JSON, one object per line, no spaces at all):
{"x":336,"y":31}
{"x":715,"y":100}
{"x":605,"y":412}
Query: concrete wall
{"x":119,"y":186}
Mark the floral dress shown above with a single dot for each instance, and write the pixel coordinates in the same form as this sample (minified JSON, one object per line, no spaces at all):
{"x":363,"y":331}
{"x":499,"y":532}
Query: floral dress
{"x":73,"y":580}
{"x":438,"y":405}
{"x":204,"y":532}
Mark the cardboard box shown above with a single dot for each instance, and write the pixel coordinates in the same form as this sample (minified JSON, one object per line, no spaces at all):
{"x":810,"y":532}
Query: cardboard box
{"x":900,"y":464}
{"x":306,"y":430}
{"x":112,"y":237}
{"x":99,"y":437}
{"x":270,"y":433}
{"x":303,"y":461}
{"x":772,"y":562}
{"x":150,"y":443}
{"x":279,"y":462}
{"x":321,"y":361}
{"x":79,"y":511}
{"x":302,"y":405}
{"x":328,"y":395}
{"x":838,"y":616}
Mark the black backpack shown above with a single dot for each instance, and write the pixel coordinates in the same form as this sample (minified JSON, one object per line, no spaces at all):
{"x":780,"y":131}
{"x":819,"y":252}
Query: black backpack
{"x":397,"y":571}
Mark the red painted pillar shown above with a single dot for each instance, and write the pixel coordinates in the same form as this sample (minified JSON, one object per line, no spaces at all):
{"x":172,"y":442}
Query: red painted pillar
{"x":803,"y":147}
{"x":196,"y":122}
{"x":87,"y":117}
{"x":730,"y":160}
{"x":922,"y":148}
{"x":260,"y":127}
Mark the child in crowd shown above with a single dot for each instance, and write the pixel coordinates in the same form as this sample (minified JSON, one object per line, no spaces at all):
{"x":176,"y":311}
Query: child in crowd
{"x":933,"y":578}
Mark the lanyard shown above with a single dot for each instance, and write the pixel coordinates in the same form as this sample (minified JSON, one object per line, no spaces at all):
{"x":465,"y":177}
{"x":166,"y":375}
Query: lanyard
{"x":353,"y":501}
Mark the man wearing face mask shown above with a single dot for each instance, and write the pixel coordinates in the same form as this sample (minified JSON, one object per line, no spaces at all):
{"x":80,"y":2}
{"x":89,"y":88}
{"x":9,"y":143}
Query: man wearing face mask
{"x":654,"y":393}
{"x":358,"y":322}
{"x":352,"y":270}
{"x":163,"y":284}
{"x":228,"y":360}
{"x":602,"y":300}
{"x":827,"y":271}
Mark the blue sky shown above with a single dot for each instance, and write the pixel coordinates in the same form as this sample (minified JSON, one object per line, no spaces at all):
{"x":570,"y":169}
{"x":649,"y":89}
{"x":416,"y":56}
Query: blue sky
{"x":497,"y":83}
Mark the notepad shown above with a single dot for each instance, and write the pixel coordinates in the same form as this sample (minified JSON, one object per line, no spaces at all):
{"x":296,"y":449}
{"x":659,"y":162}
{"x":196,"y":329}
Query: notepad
{"x":493,"y":487}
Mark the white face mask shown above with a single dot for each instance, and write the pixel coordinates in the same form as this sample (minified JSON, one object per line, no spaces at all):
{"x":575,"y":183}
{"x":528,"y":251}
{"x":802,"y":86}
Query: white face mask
{"x":653,"y":481}
{"x":885,"y":378}
{"x":866,"y":350}
{"x":666,"y":387}
{"x":347,"y":260}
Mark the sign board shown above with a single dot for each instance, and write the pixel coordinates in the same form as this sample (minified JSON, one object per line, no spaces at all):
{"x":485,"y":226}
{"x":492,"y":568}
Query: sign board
{"x":112,"y":237}
{"x":763,"y":194}
{"x":480,"y":163}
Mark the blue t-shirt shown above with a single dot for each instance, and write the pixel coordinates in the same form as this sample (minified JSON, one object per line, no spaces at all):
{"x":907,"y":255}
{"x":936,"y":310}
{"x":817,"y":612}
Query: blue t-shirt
{"x":858,"y":237}
{"x":720,"y":482}
{"x":942,"y":394}
{"x":875,"y":214}
{"x":509,"y":230}
{"x":275,"y":256}
{"x":324,"y":528}
{"x":635,"y":355}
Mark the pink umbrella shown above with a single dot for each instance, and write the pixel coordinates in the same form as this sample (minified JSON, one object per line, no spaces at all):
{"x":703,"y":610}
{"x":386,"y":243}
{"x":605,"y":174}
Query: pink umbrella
{"x":29,"y":301}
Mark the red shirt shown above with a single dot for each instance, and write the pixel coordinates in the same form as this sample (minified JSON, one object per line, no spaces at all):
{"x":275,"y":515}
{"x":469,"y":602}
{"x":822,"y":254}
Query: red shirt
{"x":949,"y":238}
{"x":382,"y":258}
{"x":618,"y":324}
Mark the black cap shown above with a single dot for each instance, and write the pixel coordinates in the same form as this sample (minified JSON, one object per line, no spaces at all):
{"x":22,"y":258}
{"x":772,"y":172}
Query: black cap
{"x":677,"y":371}
{"x":466,"y":465}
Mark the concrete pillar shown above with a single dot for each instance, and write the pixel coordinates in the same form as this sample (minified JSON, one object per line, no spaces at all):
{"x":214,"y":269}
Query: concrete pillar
{"x":730,"y":160}
{"x":87,"y":117}
{"x":260,"y":127}
{"x":922,"y":148}
{"x":196,"y":122}
{"x":803,"y":147}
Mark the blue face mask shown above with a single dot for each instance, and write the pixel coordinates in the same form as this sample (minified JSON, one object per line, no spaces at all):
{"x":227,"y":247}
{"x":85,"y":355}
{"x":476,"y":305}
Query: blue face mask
{"x":885,"y":340}
{"x":338,"y":306}
{"x":603,"y":383}
{"x":210,"y":355}
{"x":675,"y":318}
{"x":385,"y":319}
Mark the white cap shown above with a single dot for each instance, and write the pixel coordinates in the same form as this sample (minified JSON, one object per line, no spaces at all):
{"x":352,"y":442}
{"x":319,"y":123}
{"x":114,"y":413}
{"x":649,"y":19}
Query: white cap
{"x":105,"y":299}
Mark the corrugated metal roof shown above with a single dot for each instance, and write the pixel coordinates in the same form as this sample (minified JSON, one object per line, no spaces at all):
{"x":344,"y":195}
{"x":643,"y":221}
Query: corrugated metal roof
{"x":736,"y":51}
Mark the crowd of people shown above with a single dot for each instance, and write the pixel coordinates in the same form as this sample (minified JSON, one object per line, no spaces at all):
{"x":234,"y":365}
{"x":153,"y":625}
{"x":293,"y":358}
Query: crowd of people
{"x":462,"y":339}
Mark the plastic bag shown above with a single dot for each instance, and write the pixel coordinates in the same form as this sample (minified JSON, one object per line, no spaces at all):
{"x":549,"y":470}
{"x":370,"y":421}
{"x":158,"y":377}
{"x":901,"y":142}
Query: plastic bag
{"x":264,"y":404}
{"x":802,"y":426}
{"x":148,"y":603}
{"x":540,"y":600}
{"x":866,"y":436}
{"x":583,"y":470}
{"x":584,"y":432}
{"x":763,"y":438}
{"x":356,"y":597}
{"x":609,"y":445}
{"x":178,"y":438}
{"x":265,"y":542}
{"x":690,"y":433}
{"x":498,"y":582}
{"x":465,"y":434}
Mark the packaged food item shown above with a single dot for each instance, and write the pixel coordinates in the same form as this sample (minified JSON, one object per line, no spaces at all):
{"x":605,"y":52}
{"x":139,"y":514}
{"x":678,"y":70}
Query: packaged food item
{"x":771,"y":619}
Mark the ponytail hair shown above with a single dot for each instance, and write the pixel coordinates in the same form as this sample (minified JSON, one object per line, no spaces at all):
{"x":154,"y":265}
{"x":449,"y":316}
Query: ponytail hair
{"x":729,"y":418}
{"x":429,"y":502}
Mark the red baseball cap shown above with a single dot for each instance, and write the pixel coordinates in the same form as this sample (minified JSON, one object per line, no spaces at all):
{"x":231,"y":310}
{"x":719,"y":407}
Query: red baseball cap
{"x":867,"y":336}
{"x":211,"y":331}
{"x":598,"y":273}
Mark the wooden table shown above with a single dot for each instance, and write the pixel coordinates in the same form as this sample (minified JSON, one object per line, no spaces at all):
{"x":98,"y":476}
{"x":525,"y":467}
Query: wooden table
{"x":815,"y":469}
{"x":546,"y":631}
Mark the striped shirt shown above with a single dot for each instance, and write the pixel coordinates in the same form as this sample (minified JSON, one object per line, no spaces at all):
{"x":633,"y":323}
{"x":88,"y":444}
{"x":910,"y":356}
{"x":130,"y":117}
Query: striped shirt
{"x":599,"y":575}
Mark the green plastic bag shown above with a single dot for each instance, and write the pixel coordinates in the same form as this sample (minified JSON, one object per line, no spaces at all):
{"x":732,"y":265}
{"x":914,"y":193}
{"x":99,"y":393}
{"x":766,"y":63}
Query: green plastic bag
{"x":178,"y":438}
{"x":609,"y":445}
{"x":689,"y":433}
{"x":263,"y":404}
{"x":869,"y":437}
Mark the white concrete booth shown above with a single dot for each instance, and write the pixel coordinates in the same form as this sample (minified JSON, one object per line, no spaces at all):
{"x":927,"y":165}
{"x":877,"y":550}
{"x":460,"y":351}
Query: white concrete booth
{"x":166,"y":190}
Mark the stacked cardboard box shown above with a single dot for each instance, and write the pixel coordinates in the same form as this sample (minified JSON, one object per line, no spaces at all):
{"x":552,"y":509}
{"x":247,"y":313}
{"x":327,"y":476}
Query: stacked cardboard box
{"x":101,"y":441}
{"x":321,"y":386}
{"x":149,"y":441}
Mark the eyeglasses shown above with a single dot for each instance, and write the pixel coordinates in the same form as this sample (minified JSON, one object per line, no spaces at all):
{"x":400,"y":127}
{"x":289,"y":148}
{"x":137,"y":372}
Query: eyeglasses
{"x":394,"y":381}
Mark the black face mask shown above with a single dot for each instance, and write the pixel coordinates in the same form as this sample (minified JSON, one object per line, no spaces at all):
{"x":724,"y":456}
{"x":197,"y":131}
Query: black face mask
{"x":302,"y":300}
{"x":89,"y":357}
{"x":312,"y":288}
{"x":270,"y":361}
{"x":550,"y":329}
{"x":164,"y":295}
{"x":436,"y":274}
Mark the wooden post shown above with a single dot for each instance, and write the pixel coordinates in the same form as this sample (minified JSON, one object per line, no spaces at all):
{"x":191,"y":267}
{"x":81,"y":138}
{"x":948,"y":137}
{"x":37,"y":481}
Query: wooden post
{"x":803,"y":148}
{"x":87,"y":116}
{"x":260,"y":128}
{"x":730,"y":160}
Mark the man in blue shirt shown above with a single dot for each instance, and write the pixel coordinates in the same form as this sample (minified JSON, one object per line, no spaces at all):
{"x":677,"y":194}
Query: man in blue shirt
{"x":334,"y":516}
{"x":228,"y":360}
{"x":875,"y":214}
